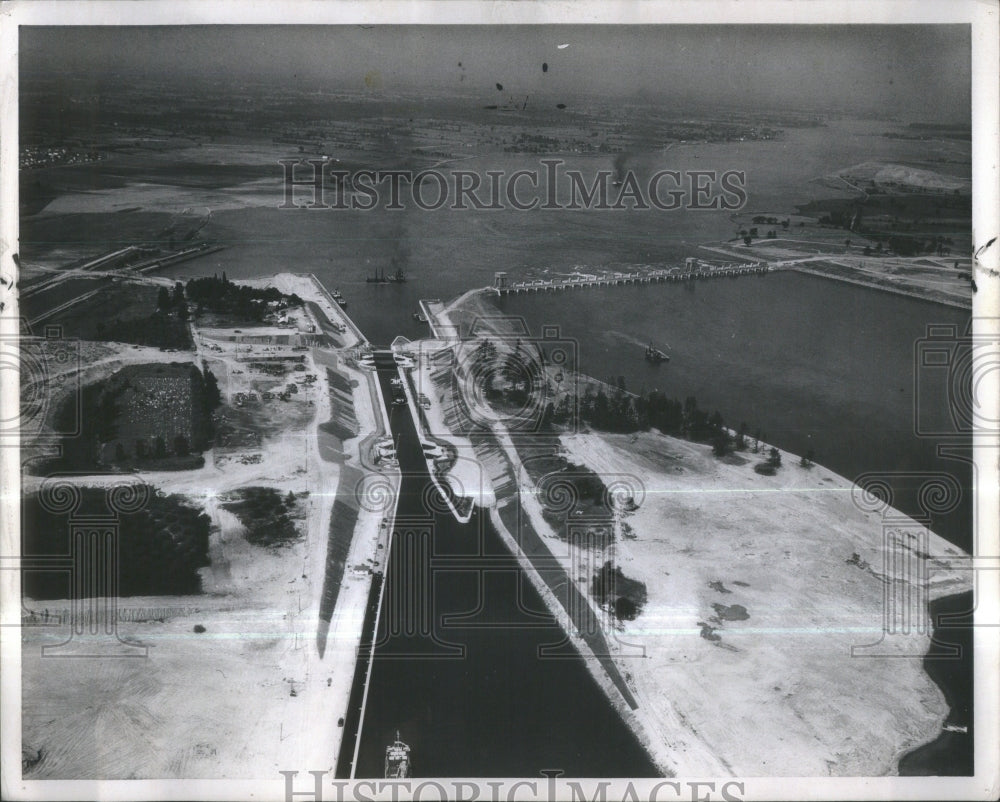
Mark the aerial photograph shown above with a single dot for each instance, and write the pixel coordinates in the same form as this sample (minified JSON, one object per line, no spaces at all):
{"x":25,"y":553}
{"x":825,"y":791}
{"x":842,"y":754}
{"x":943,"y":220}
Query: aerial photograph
{"x":495,"y":401}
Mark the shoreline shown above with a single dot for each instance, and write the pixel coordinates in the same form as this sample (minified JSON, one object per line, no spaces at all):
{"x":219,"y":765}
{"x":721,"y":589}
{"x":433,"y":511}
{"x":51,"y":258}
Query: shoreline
{"x":894,"y":290}
{"x":372,"y":531}
{"x":940,"y":753}
{"x":628,"y":714}
{"x":801,"y":265}
{"x":936,"y":590}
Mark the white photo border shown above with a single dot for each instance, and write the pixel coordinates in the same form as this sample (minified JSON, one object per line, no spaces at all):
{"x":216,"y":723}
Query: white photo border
{"x":982,"y":17}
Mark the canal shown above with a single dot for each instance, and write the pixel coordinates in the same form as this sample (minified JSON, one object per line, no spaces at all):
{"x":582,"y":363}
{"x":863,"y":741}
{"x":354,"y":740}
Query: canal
{"x":456,"y":666}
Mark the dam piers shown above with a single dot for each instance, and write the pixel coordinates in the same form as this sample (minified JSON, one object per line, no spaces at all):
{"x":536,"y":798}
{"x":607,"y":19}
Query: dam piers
{"x":693,"y":269}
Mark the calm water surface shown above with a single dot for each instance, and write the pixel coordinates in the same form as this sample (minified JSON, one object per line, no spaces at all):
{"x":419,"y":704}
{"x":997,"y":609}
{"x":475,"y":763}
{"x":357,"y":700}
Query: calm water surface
{"x":456,"y":669}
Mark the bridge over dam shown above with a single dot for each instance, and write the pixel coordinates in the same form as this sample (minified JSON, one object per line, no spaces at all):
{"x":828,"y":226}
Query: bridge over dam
{"x":690,"y":272}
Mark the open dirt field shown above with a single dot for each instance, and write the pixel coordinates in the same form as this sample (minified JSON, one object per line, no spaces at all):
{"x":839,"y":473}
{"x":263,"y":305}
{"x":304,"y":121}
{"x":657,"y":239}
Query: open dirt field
{"x":808,"y":567}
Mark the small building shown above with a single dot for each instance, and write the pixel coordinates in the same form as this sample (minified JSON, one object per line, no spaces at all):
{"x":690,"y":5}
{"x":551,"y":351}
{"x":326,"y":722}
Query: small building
{"x":500,"y":280}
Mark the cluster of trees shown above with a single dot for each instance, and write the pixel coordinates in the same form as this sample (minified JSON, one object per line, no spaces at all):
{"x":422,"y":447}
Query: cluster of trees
{"x":217,"y":294}
{"x":625,"y":596}
{"x":513,"y":377}
{"x":156,"y":331}
{"x":912,"y":246}
{"x":484,"y":353}
{"x":101,"y":406}
{"x":144,"y":451}
{"x":621,"y":411}
{"x":166,"y":327}
{"x":588,"y":490}
{"x":161,"y":546}
{"x":168,"y":302}
{"x":771,"y":221}
{"x":94,"y":411}
{"x":267,"y":515}
{"x":772,"y":463}
{"x":518,"y":374}
{"x":850,"y":217}
{"x":212,"y":396}
{"x":749,"y":235}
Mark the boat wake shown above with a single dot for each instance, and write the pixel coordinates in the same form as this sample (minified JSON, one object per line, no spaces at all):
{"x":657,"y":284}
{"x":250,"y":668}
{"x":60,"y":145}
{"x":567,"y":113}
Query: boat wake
{"x":628,"y":338}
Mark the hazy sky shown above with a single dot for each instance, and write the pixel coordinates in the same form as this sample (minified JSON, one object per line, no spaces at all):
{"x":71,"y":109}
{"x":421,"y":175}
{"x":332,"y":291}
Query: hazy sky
{"x":906,"y":68}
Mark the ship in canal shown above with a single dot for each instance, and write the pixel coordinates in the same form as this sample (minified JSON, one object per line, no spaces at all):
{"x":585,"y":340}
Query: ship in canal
{"x":397,"y":760}
{"x":399,"y":277}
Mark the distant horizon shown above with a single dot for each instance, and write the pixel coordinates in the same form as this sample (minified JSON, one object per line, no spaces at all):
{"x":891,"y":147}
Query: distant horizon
{"x":404,"y":95}
{"x":916,"y":71}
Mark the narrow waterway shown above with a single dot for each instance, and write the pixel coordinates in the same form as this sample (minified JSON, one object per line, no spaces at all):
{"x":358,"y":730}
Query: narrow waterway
{"x":457,"y":669}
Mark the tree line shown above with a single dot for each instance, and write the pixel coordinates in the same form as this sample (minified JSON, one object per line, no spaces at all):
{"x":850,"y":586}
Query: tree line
{"x":219,"y":294}
{"x":515,"y":376}
{"x":624,"y":412}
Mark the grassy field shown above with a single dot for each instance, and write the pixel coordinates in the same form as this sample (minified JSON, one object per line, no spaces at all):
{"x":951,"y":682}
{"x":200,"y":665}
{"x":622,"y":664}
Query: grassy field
{"x":132,"y":306}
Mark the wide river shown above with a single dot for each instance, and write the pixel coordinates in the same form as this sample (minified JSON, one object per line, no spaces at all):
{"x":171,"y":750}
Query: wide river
{"x":811,"y":362}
